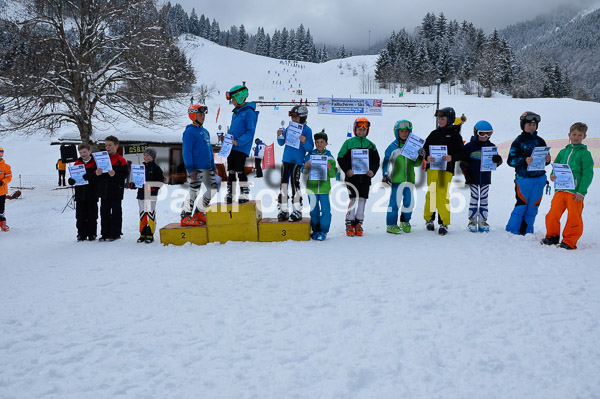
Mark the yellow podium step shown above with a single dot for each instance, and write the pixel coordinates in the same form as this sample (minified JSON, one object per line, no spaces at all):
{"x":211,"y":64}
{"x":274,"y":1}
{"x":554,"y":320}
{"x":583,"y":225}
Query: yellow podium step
{"x":176,"y":234}
{"x":233,"y":222}
{"x":271,"y":230}
{"x":227,"y":214}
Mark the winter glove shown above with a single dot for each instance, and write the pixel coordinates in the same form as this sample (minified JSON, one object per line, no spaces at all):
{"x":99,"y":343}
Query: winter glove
{"x":71,"y":181}
{"x":497,"y":159}
{"x":387,"y":180}
{"x":422,"y":153}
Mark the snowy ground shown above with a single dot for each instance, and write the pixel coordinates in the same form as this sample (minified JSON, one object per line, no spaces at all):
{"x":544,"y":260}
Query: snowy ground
{"x":413,"y":316}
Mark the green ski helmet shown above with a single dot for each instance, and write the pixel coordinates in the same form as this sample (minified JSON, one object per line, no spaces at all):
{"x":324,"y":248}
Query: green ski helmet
{"x":239,"y":92}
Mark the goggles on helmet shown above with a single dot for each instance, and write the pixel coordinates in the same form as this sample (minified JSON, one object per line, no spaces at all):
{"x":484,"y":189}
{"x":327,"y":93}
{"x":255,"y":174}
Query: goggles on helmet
{"x":485,"y":133}
{"x":363,"y":124}
{"x":293,"y":113}
{"x":530,"y":118}
{"x":229,"y":94}
{"x":199,"y":110}
{"x":403,"y":125}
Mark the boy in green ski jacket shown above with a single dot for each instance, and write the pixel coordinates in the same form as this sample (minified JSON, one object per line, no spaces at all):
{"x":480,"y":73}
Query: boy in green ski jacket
{"x":319,"y":187}
{"x":401,"y":175}
{"x":580,"y":160}
{"x":359,"y":160}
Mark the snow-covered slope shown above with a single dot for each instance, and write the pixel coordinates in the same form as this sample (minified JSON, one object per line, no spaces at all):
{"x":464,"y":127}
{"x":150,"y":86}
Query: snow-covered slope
{"x":416,"y":315}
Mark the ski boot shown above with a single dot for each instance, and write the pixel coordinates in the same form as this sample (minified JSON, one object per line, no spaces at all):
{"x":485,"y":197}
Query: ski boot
{"x":189,"y":220}
{"x":282,"y":216}
{"x":358,"y":230}
{"x":472,"y":226}
{"x":349,"y":230}
{"x":443,"y":230}
{"x":550,"y":240}
{"x":429,"y":225}
{"x":393,"y":229}
{"x":244,"y":194}
{"x":200,"y":218}
{"x":405,"y":226}
{"x":229,"y":196}
{"x":4,"y":226}
{"x":321,"y":236}
{"x":149,"y":239}
{"x":80,"y":238}
{"x":296,"y":216}
{"x":141,"y":239}
{"x":484,"y":226}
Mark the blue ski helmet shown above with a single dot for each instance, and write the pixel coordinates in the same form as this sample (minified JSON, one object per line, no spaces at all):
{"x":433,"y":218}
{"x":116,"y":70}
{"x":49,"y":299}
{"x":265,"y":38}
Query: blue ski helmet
{"x":482,"y":126}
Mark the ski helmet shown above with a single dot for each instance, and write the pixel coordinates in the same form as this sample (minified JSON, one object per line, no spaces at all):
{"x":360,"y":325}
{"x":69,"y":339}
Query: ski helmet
{"x":402,"y":124}
{"x":483,"y":128}
{"x":529,"y":116}
{"x":239,"y":92}
{"x":448,"y":112}
{"x":195,"y":109}
{"x":361,"y":122}
{"x":301,"y":111}
{"x":1,"y":152}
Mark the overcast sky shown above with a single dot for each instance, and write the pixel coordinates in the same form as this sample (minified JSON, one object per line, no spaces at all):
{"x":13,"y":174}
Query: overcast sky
{"x":349,"y":21}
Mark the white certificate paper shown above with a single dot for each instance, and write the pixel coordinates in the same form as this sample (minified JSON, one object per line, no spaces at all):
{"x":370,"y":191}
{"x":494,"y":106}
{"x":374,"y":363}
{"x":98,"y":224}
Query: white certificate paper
{"x":564,"y":177}
{"x":103,"y":161}
{"x":293,"y":133}
{"x":437,"y":152}
{"x":360,"y":161}
{"x":227,"y":145}
{"x":412,"y":146}
{"x":138,"y":175}
{"x":77,"y":173}
{"x":318,"y":167}
{"x":539,"y":158}
{"x":487,"y":165}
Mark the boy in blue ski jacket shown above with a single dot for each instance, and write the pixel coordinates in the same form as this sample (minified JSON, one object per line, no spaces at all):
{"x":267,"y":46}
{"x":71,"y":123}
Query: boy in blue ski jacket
{"x":318,"y":190}
{"x":243,"y":128}
{"x":529,"y":185}
{"x":478,"y":181}
{"x":293,"y":159}
{"x":199,"y":162}
{"x":401,"y":174}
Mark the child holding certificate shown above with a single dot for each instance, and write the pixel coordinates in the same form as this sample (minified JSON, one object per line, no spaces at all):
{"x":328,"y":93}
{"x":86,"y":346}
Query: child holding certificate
{"x":401,"y":175}
{"x":359,"y":160}
{"x":86,"y":197}
{"x":320,"y":167}
{"x":529,"y":184}
{"x":111,"y":186}
{"x":581,"y":164}
{"x":298,"y":141}
{"x":444,"y":147}
{"x":481,"y":157}
{"x":146,"y":196}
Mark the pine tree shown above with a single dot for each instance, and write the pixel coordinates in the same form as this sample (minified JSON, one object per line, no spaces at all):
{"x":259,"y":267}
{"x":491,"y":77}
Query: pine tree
{"x":242,"y":38}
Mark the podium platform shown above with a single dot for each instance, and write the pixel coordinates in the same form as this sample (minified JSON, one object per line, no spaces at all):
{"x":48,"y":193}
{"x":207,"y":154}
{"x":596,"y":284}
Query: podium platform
{"x":271,"y":230}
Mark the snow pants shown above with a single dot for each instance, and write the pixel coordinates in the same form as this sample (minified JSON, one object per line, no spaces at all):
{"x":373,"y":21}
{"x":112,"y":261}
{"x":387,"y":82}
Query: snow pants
{"x":401,"y":194}
{"x":320,"y":212}
{"x":564,"y":200}
{"x":86,"y":215}
{"x":529,"y":192}
{"x":438,"y":185}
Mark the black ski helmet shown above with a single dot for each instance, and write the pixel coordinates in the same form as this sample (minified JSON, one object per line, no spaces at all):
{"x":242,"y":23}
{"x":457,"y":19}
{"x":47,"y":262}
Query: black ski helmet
{"x":448,"y":112}
{"x":529,"y":116}
{"x":301,"y":111}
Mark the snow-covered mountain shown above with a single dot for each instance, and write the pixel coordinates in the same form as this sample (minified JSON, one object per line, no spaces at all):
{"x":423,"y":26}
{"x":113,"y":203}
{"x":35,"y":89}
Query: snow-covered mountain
{"x":413,"y":316}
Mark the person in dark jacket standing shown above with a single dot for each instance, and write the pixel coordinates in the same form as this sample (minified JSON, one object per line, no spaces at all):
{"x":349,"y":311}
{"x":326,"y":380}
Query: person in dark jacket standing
{"x":529,"y":184}
{"x":111,"y":185}
{"x":86,"y":197}
{"x":146,"y":196}
{"x":439,"y":181}
{"x":478,"y":181}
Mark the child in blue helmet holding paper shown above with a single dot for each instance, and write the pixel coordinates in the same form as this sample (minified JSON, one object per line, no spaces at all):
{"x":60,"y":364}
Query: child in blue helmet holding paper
{"x":478,"y":181}
{"x":243,"y":128}
{"x":401,"y":176}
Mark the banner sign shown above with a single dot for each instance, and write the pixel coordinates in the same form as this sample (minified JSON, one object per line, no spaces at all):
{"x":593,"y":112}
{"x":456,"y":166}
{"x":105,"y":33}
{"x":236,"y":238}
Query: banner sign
{"x":350,"y":106}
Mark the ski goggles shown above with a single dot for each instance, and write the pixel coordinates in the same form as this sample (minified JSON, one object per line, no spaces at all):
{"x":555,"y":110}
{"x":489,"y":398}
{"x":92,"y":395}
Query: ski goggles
{"x":199,"y":110}
{"x":530,"y":118}
{"x":439,"y":113}
{"x":485,"y":133}
{"x":363,"y":124}
{"x":294,"y":113}
{"x":403,"y":125}
{"x":230,"y":94}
